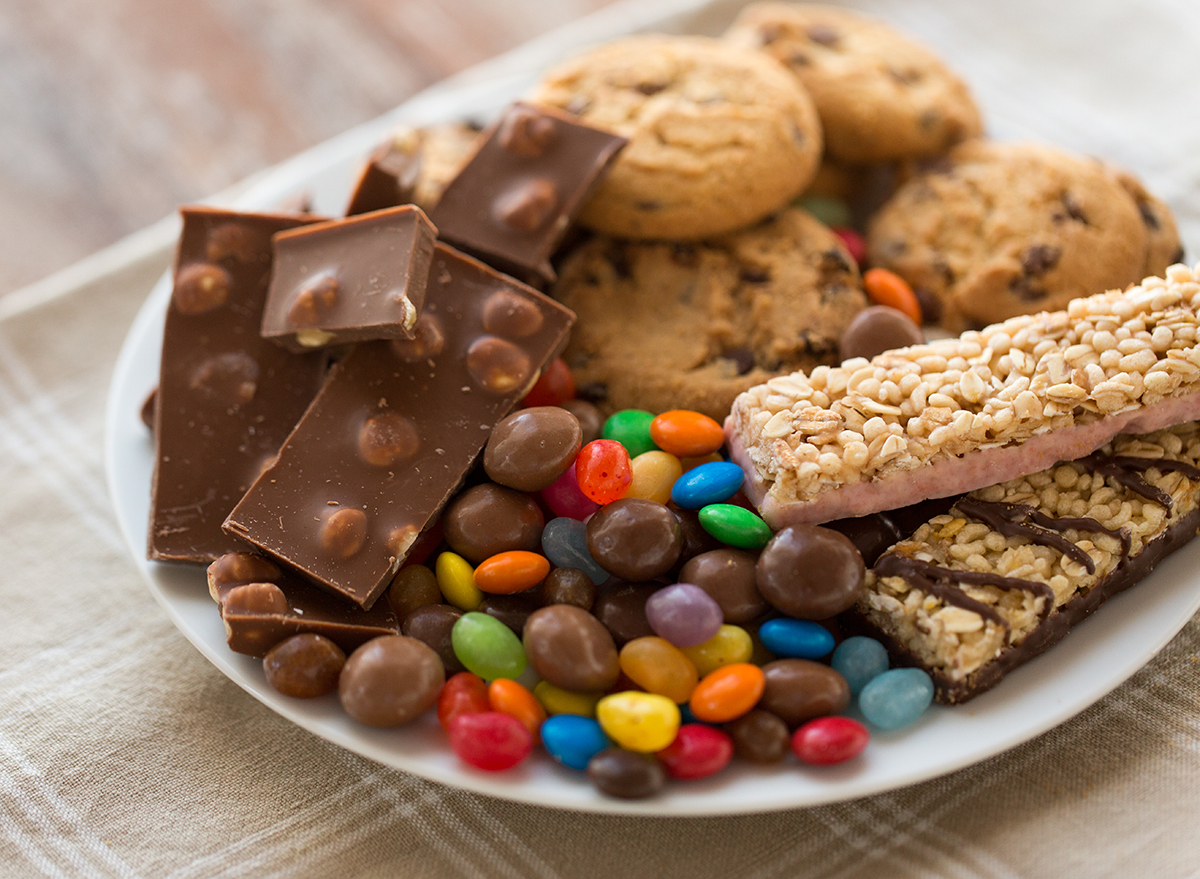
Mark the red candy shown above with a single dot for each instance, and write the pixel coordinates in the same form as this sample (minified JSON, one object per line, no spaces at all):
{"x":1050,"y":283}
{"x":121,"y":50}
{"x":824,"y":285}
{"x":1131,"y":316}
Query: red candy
{"x":554,"y":386}
{"x":829,"y":740}
{"x":853,"y":241}
{"x":565,"y":499}
{"x":697,"y":752}
{"x":603,"y":471}
{"x":490,"y":740}
{"x":463,"y":693}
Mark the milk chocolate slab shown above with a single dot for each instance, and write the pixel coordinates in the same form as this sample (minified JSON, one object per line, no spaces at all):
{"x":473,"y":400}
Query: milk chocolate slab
{"x":278,"y":605}
{"x":514,"y":200}
{"x":389,"y":178}
{"x":397,"y":426}
{"x":226,"y":399}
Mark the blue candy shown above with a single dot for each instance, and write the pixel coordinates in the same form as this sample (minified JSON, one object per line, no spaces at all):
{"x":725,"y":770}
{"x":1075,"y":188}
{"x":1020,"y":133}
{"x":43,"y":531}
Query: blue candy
{"x":795,"y":639}
{"x":707,"y":484}
{"x":858,"y":660}
{"x":573,"y":740}
{"x":564,"y":541}
{"x":896,"y":698}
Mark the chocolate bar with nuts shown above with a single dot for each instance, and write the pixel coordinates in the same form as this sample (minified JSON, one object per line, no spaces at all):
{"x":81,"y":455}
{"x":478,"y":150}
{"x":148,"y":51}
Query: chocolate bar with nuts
{"x":1006,"y":573}
{"x":397,"y":426}
{"x":349,"y":280}
{"x":390,"y":176}
{"x":226,"y":398}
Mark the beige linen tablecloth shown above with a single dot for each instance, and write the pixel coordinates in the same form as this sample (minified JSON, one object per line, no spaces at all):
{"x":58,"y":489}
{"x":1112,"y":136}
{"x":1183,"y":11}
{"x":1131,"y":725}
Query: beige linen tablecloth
{"x":124,"y":753}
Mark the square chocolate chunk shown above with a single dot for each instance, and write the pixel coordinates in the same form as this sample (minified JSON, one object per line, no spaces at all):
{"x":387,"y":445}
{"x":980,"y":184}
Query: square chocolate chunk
{"x":389,"y":178}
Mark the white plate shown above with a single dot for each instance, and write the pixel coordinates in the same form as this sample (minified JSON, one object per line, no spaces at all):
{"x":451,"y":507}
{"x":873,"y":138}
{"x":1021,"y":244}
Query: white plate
{"x":1094,"y":659}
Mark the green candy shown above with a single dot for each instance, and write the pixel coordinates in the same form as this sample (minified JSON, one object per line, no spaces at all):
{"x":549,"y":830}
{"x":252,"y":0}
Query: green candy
{"x":487,"y":647}
{"x":830,"y":211}
{"x":631,"y":428}
{"x":735,"y":526}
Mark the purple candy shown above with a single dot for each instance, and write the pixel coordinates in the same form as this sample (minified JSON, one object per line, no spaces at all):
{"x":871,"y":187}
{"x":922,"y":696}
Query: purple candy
{"x":565,"y":498}
{"x":684,"y":614}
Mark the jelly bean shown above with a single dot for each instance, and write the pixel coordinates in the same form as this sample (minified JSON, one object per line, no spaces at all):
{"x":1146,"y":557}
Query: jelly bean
{"x":896,"y":698}
{"x":631,"y":428}
{"x":809,"y":572}
{"x":490,"y":740}
{"x":487,"y":647}
{"x":731,"y":644}
{"x":707,"y":484}
{"x":735,"y":526}
{"x":463,"y":693}
{"x":509,"y":697}
{"x":567,"y":585}
{"x":591,"y":422}
{"x":728,"y":692}
{"x":564,"y":541}
{"x":697,"y":752}
{"x":686,"y":434}
{"x":854,"y":243}
{"x":367,"y":685}
{"x":830,"y":211}
{"x":795,"y":638}
{"x":635,"y":539}
{"x":626,"y":774}
{"x":658,"y":666}
{"x":760,"y":736}
{"x":684,"y":614}
{"x":799,"y":690}
{"x":488,"y":519}
{"x":304,"y":666}
{"x":621,"y":607}
{"x":572,"y":740}
{"x":512,"y":571}
{"x":654,"y":474}
{"x":556,"y":700}
{"x":644,"y":722}
{"x":456,"y":579}
{"x":413,"y":586}
{"x":859,"y":660}
{"x":566,"y":500}
{"x":728,"y":576}
{"x":887,"y":288}
{"x":602,"y":471}
{"x":829,"y":740}
{"x":571,"y":649}
{"x":690,"y":464}
{"x":554,"y":386}
{"x":531,"y":448}
{"x":432,"y":625}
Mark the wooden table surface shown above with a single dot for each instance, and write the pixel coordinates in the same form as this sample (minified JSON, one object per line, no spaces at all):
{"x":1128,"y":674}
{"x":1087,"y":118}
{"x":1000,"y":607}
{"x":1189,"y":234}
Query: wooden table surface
{"x":113,"y":112}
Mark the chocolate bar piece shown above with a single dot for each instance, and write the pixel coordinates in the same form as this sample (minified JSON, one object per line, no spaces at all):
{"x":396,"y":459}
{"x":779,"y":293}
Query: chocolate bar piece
{"x":397,"y":426}
{"x":349,"y":280}
{"x":390,"y":176}
{"x":226,"y":399}
{"x":512,"y":203}
{"x":273,"y":606}
{"x":1011,"y":568}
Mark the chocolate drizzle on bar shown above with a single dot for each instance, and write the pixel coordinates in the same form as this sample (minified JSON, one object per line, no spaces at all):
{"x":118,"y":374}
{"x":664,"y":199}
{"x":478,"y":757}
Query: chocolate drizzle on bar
{"x":1127,"y":471}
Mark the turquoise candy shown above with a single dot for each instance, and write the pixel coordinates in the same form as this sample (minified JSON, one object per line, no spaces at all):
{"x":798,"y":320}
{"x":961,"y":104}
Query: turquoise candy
{"x":564,"y":542}
{"x":707,"y":484}
{"x":631,"y":428}
{"x":830,"y":211}
{"x":487,"y":647}
{"x":795,"y":639}
{"x":573,"y":740}
{"x":735,"y":526}
{"x":896,"y":698}
{"x":859,"y":660}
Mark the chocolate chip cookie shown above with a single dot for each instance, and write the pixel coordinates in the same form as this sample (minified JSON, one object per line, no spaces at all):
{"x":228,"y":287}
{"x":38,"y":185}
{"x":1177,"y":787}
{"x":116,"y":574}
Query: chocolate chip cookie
{"x":880,"y":96}
{"x":681,"y":325}
{"x":719,"y":137}
{"x":1163,"y":246}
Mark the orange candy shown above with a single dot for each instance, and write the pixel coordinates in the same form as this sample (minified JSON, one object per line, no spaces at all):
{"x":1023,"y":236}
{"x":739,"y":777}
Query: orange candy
{"x":888,"y":288}
{"x":727,"y":693}
{"x":509,"y":572}
{"x":509,"y":697}
{"x":686,"y":434}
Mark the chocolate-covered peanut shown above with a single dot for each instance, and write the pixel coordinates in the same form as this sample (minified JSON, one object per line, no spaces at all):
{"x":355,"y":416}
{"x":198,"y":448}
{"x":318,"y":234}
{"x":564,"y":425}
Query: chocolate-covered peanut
{"x":728,"y":576}
{"x":488,"y":519}
{"x":798,"y":690}
{"x":809,"y":572}
{"x":621,"y":607}
{"x":431,"y":625}
{"x":304,"y":666}
{"x":390,"y":681}
{"x":531,"y":448}
{"x":568,"y":586}
{"x":876,"y":329}
{"x":634,"y":539}
{"x":570,"y":648}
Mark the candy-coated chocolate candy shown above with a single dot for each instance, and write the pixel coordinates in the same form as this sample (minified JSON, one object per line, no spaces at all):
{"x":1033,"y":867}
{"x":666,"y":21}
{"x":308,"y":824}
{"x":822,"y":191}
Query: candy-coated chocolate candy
{"x":591,"y":422}
{"x":829,"y":740}
{"x":512,"y":571}
{"x":621,"y":607}
{"x":735,"y":526}
{"x":304,"y":666}
{"x":490,"y":740}
{"x":654,"y":474}
{"x":876,"y":329}
{"x":728,"y":576}
{"x":795,"y":638}
{"x":602,"y":471}
{"x":799,"y":690}
{"x":556,"y":700}
{"x":684,"y":614}
{"x":697,"y":752}
{"x":413,"y":586}
{"x":759,"y":736}
{"x":554,"y":386}
{"x":728,"y":692}
{"x":626,"y":774}
{"x":686,"y":434}
{"x":829,"y":210}
{"x":896,"y":698}
{"x":463,"y":693}
{"x":635,"y":539}
{"x":564,"y":541}
{"x":707,"y":484}
{"x":487,"y":647}
{"x":810,"y":573}
{"x":566,"y":500}
{"x":631,"y":428}
{"x":432,"y":625}
{"x":643,"y":722}
{"x":531,"y":448}
{"x":658,"y":666}
{"x":456,"y":579}
{"x":730,"y":645}
{"x":509,"y":697}
{"x":859,"y":660}
{"x":853,"y":242}
{"x":573,"y":740}
{"x":571,"y":649}
{"x":567,"y":585}
{"x":390,"y":680}
{"x":487,"y":519}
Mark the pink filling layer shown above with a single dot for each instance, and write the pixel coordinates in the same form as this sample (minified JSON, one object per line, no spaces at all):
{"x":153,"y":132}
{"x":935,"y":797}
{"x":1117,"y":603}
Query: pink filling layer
{"x":956,"y":475}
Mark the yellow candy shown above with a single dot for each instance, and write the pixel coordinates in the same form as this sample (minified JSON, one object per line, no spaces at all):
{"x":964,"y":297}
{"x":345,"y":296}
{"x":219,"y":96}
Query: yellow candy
{"x":639,"y":721}
{"x":556,"y":700}
{"x":731,"y":644}
{"x":653,"y":475}
{"x":658,"y":666}
{"x":456,"y":579}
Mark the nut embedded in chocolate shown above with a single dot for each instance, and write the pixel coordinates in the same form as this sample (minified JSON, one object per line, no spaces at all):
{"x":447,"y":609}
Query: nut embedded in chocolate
{"x":427,"y":341}
{"x":506,"y":314}
{"x":314,"y":301}
{"x":497,"y":365}
{"x":255,"y":598}
{"x":527,"y":133}
{"x":230,"y":378}
{"x":343,"y":533}
{"x":527,"y":206}
{"x":387,"y":438}
{"x":200,"y":287}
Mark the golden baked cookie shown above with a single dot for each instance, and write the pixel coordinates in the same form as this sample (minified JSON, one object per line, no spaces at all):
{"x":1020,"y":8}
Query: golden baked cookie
{"x":1001,"y":229}
{"x":719,"y":137}
{"x":880,"y":96}
{"x":1163,"y":245}
{"x":690,"y":326}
